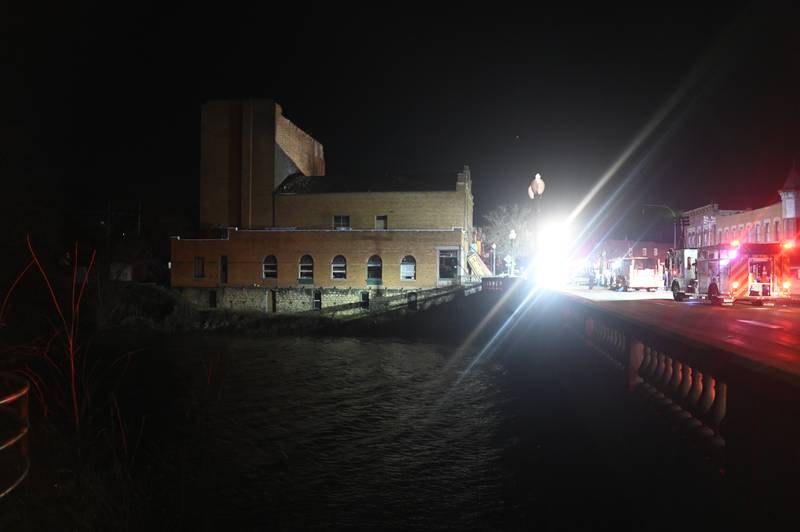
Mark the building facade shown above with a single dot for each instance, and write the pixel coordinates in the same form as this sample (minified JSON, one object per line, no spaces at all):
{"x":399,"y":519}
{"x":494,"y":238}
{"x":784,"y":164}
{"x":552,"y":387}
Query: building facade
{"x":709,"y":225}
{"x":775,"y":223}
{"x":279,"y":244}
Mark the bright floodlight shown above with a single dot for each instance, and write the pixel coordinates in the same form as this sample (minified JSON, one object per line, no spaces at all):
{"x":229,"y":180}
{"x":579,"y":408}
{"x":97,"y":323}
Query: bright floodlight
{"x":554,"y":255}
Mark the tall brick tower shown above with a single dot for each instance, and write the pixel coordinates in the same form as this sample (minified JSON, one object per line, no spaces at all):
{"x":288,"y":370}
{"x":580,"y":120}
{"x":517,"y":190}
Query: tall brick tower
{"x":248,"y":148}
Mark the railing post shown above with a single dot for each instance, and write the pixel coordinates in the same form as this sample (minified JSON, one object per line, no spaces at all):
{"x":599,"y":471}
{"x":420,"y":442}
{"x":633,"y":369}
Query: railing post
{"x":635,"y":359}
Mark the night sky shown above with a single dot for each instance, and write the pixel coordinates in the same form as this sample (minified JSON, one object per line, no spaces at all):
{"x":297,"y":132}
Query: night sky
{"x":103,"y":105}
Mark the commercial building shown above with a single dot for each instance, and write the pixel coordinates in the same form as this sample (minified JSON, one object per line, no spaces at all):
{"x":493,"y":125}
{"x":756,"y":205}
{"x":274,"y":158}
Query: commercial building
{"x":279,"y":237}
{"x":777,"y":222}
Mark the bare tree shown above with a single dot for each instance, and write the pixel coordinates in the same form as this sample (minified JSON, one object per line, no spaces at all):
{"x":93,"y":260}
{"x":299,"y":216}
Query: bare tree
{"x":501,"y":221}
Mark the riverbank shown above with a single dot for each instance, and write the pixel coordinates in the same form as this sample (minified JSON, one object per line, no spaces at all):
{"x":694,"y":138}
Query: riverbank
{"x":142,"y":308}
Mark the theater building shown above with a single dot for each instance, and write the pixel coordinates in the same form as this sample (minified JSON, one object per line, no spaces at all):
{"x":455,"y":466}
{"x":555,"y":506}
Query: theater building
{"x":277,"y":236}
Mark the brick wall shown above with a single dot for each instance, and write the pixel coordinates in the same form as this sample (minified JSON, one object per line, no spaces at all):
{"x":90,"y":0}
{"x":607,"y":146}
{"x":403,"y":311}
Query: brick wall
{"x":247,"y":148}
{"x":405,"y":210}
{"x":246,"y":251}
{"x":306,"y":153}
{"x":220,"y":163}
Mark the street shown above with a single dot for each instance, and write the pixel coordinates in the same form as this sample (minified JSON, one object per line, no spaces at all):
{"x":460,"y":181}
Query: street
{"x":767,"y":335}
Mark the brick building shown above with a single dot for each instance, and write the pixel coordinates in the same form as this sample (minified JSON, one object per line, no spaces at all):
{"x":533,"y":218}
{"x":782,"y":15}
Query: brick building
{"x":280,"y":240}
{"x":777,"y":222}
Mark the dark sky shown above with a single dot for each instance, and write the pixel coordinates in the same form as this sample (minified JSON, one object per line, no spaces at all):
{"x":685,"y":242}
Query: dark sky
{"x":105,"y":104}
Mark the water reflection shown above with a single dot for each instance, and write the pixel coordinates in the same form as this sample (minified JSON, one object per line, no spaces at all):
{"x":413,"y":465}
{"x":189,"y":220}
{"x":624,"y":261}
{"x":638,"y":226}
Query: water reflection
{"x":349,"y":432}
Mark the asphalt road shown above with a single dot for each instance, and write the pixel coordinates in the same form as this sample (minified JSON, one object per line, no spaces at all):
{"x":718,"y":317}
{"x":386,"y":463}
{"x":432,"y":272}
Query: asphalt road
{"x":768,"y":335}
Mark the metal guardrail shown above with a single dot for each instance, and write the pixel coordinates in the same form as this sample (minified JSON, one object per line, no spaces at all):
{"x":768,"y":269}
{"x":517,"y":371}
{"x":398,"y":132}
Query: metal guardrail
{"x":14,"y":426}
{"x":744,"y":412}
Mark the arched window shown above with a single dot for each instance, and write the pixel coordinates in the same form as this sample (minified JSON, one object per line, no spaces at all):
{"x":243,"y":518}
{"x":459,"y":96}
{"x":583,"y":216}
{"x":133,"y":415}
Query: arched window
{"x":777,"y":231}
{"x":339,"y":267}
{"x":767,"y":232}
{"x":306,"y":275}
{"x":374,"y":270}
{"x":270,"y":267}
{"x":408,"y":268}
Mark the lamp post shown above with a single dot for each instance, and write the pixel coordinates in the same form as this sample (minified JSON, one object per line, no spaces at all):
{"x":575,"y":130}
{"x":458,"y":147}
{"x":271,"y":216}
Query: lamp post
{"x":676,"y":218}
{"x":535,"y":191}
{"x":494,"y":260}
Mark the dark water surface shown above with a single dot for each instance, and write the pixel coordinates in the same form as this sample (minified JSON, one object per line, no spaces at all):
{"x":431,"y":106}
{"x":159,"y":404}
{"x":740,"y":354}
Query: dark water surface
{"x":354,"y":432}
{"x":381,"y":432}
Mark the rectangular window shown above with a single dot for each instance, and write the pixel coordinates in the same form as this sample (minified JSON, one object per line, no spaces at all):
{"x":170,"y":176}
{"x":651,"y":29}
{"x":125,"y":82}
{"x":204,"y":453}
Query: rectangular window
{"x":382,"y":222}
{"x":199,"y":267}
{"x":655,"y":252}
{"x":448,"y":264}
{"x":223,"y":269}
{"x":341,"y":222}
{"x":644,"y":252}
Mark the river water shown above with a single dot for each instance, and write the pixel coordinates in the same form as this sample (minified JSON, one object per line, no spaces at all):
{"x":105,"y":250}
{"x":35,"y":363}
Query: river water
{"x":332,"y":432}
{"x":382,"y":432}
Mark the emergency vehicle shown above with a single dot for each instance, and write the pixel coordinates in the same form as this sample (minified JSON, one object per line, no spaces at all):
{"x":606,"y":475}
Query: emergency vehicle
{"x":637,"y":273}
{"x":725,"y":273}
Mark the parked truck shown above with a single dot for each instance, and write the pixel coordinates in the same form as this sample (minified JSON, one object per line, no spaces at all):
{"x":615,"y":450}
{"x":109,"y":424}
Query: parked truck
{"x":757,"y":273}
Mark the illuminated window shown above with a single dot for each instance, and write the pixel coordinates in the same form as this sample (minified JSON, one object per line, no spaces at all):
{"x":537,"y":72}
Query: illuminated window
{"x":270,"y":267}
{"x":341,"y":222}
{"x":199,"y":267}
{"x":655,"y":252}
{"x":306,"y":275}
{"x":374,"y":270}
{"x":382,"y":222}
{"x":644,"y":252}
{"x":408,"y":268}
{"x":339,"y":267}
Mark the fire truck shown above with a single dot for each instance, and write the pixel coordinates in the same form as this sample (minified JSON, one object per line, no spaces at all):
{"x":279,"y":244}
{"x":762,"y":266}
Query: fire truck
{"x":723,"y":274}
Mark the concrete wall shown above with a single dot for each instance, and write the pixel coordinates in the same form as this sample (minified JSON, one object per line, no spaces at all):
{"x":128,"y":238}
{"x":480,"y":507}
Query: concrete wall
{"x":246,"y":251}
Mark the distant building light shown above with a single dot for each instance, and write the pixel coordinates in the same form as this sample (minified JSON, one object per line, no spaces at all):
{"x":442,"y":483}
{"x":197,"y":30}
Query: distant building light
{"x":169,"y":265}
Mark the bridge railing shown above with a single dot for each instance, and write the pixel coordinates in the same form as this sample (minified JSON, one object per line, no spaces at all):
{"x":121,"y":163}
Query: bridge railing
{"x":14,"y":460}
{"x":745,"y":412}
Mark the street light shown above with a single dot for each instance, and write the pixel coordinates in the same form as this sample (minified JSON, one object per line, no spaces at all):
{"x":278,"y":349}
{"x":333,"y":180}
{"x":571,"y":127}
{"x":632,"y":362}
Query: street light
{"x":494,"y":260}
{"x":676,"y":218}
{"x":535,"y":191}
